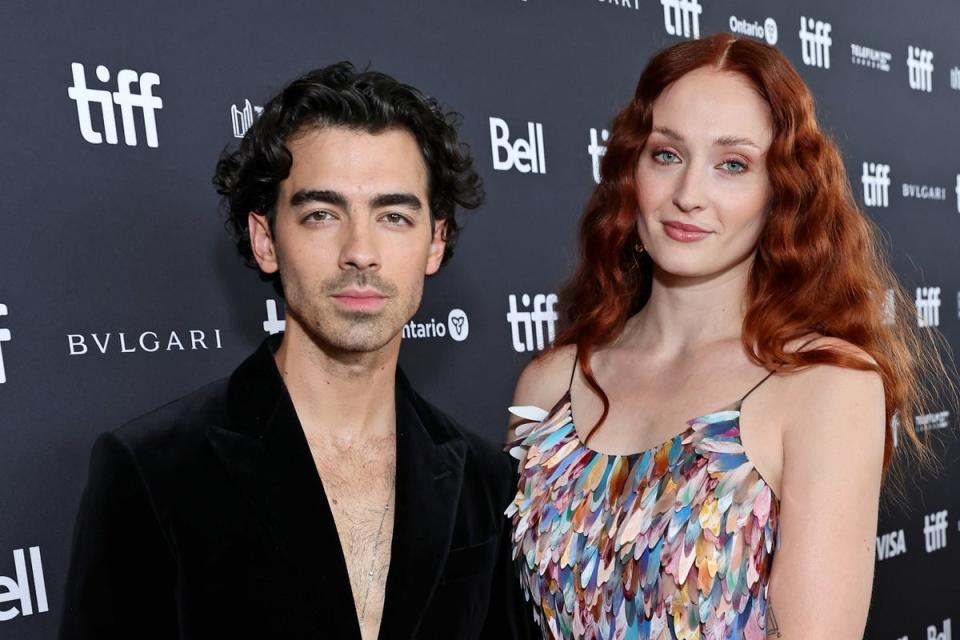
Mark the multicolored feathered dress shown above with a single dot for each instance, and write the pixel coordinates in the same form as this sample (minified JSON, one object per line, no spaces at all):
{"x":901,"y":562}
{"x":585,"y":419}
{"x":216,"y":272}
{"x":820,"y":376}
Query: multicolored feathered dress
{"x":672,"y":542}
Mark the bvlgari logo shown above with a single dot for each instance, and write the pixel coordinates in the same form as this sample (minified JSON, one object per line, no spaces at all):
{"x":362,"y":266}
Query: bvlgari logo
{"x":81,"y":344}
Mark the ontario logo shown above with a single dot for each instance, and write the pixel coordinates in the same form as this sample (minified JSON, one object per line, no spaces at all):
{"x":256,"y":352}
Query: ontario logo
{"x":457,"y":327}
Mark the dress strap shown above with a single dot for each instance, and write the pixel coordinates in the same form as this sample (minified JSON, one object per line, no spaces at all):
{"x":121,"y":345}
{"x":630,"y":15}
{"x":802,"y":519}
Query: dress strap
{"x":766,"y":377}
{"x":754,"y":388}
{"x":573,"y":369}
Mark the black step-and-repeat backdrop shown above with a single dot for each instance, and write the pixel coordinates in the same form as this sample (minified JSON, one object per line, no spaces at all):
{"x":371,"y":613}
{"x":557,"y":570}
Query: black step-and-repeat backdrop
{"x":120,"y":289}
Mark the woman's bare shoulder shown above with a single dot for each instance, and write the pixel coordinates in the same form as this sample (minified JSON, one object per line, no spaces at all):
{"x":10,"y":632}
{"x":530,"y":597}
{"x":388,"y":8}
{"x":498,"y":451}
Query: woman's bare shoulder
{"x":545,"y":379}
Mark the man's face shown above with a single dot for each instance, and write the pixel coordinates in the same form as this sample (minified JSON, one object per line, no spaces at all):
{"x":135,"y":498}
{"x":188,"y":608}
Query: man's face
{"x":352,"y":238}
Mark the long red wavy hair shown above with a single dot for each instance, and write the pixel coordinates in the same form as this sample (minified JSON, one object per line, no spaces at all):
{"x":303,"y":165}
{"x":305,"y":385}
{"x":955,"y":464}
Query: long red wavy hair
{"x":818,"y":265}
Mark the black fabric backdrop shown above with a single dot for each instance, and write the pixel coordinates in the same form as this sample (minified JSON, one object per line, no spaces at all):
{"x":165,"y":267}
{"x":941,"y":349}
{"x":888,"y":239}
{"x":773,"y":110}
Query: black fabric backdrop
{"x":121,"y":289}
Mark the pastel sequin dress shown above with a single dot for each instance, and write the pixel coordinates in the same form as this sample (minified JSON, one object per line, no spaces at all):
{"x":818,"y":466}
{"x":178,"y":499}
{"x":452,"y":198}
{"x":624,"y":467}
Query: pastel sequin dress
{"x":672,"y":542}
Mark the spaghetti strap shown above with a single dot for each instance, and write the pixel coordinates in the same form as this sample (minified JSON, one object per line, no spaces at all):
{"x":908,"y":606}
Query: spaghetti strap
{"x":766,"y":377}
{"x":573,"y":369}
{"x":754,"y":388}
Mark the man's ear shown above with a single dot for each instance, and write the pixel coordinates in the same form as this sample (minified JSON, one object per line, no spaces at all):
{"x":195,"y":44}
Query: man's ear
{"x":261,"y":242}
{"x":438,"y":245}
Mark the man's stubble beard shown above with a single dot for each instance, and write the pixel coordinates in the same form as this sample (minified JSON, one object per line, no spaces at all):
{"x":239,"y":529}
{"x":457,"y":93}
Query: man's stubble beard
{"x":351,"y":331}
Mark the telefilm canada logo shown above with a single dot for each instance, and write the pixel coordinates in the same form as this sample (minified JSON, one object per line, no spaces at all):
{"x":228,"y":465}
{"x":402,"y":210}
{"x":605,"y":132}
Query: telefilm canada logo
{"x":869,"y":57}
{"x":17,"y":600}
{"x":682,"y":17}
{"x":526,"y":155}
{"x":533,"y":322}
{"x":242,"y":117}
{"x":4,"y":337}
{"x":815,"y":42}
{"x":128,"y":98}
{"x":767,"y":30}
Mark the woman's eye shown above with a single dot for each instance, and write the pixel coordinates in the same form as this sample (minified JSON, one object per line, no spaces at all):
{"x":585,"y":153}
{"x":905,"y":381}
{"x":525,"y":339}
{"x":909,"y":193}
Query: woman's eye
{"x":734,"y":166}
{"x":665,"y":157}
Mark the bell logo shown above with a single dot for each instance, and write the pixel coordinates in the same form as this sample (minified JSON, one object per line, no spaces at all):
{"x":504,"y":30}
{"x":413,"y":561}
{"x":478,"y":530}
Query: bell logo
{"x":532,"y":322}
{"x":126,"y":99}
{"x":934,"y":634}
{"x":4,"y":337}
{"x":526,"y":156}
{"x":18,"y":591}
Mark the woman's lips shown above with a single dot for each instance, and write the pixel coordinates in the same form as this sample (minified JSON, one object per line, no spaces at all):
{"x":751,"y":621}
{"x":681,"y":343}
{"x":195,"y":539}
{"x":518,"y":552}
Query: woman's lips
{"x":684,"y":232}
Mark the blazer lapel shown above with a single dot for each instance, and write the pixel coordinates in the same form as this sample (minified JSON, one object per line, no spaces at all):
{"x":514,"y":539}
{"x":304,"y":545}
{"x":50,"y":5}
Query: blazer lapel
{"x":429,"y":476}
{"x":264,"y":450}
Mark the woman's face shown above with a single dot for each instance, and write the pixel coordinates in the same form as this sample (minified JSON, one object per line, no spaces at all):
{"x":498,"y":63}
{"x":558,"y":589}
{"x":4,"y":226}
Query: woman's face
{"x":702,"y":183}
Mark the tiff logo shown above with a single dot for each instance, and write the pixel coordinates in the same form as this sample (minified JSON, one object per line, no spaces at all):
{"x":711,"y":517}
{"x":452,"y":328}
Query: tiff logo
{"x":126,"y":99}
{"x":682,"y":17}
{"x":597,"y":149}
{"x":4,"y":337}
{"x":946,"y":634}
{"x":935,"y":531}
{"x":532,"y":322}
{"x":955,"y":78}
{"x":815,"y":42}
{"x":928,"y":306}
{"x":243,"y":118}
{"x":876,"y":184}
{"x":273,"y":324}
{"x":526,"y":156}
{"x":19,"y":589}
{"x":958,"y":192}
{"x":920,"y":68}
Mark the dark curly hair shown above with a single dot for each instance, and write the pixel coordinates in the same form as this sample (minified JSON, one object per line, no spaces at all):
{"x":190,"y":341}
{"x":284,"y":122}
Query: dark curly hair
{"x":247,"y":178}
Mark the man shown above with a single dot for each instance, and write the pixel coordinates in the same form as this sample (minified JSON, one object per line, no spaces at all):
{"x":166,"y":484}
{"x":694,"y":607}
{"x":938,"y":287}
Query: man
{"x":313,"y":493}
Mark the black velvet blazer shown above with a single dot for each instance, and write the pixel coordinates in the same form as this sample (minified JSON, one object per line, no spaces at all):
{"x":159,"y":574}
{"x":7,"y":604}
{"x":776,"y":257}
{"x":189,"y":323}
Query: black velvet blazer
{"x":207,"y":519}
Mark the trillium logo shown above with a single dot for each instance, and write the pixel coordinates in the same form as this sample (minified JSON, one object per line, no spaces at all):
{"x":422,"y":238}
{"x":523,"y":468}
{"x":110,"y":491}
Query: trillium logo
{"x":457,"y":327}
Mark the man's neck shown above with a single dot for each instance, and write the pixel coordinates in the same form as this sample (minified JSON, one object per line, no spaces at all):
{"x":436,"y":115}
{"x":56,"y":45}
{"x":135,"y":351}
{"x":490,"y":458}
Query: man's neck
{"x":339,"y":397}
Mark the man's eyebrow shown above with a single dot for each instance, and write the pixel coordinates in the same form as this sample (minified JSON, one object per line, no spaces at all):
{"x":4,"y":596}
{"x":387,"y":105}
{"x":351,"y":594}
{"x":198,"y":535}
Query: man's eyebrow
{"x":407,"y":200}
{"x":303,"y":196}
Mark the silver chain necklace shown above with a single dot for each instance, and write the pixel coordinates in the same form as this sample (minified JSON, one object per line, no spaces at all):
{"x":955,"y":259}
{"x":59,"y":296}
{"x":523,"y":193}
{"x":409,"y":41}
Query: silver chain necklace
{"x":373,"y":561}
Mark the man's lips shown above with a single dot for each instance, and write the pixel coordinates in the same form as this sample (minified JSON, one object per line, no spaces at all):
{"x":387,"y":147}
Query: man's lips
{"x":360,"y":299}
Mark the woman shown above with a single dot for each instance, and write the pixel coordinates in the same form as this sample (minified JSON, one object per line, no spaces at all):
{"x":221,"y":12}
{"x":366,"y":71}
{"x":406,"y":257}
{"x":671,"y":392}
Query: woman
{"x":724,"y":390}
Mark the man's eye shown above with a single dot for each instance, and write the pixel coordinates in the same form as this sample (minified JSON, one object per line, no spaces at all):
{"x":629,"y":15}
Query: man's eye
{"x":318,"y":216}
{"x":396,"y":218}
